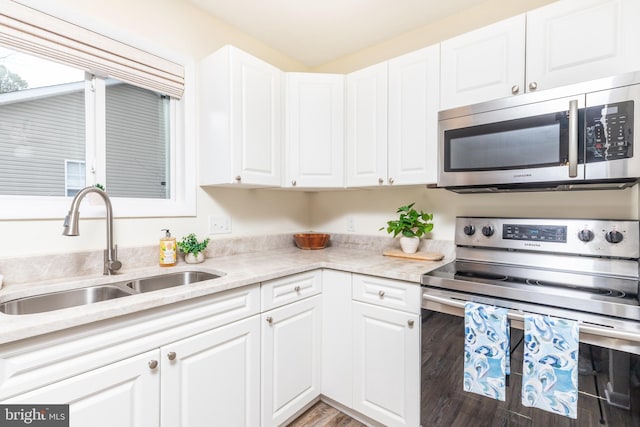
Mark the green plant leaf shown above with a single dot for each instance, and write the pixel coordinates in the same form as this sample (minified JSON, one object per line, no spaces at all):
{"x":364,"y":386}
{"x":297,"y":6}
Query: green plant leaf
{"x":410,"y":223}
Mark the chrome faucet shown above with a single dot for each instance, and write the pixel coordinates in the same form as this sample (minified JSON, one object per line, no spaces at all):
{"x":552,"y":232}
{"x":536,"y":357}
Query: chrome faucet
{"x":111,"y":263}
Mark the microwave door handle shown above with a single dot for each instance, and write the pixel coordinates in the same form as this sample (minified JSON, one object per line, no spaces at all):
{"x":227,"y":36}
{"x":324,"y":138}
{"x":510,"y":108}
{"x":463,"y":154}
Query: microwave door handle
{"x":573,"y":138}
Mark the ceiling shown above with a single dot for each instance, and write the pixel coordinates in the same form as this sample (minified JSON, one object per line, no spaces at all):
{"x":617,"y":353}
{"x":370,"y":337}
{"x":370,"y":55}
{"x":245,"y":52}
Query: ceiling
{"x":315,"y":32}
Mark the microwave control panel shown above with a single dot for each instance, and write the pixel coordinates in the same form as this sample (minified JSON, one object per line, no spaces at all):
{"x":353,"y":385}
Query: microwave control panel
{"x":609,"y":132}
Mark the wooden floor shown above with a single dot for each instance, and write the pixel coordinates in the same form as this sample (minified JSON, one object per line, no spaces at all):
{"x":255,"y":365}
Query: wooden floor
{"x":323,"y":415}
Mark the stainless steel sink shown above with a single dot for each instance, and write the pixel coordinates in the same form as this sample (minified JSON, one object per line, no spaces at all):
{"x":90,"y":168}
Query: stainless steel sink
{"x":64,"y":299}
{"x":155,"y":283}
{"x":82,"y":296}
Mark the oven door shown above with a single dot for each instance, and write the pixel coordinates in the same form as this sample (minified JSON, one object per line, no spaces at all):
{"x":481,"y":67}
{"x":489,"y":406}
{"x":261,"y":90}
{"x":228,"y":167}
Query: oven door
{"x":608,"y":380}
{"x":531,"y":143}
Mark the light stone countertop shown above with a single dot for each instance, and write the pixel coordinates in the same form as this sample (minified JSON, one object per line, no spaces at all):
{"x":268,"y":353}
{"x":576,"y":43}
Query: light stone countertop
{"x":239,"y":270}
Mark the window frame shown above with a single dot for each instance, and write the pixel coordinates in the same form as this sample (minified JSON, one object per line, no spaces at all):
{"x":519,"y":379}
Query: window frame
{"x":182,"y":152}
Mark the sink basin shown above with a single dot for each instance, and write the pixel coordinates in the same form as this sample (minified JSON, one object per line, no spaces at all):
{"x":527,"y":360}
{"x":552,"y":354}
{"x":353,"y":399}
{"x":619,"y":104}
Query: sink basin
{"x":82,"y":296}
{"x":155,"y":283}
{"x":64,"y":299}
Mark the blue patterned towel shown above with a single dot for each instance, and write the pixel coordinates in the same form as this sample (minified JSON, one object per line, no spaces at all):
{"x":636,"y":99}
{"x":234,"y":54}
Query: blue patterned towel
{"x":550,"y":367}
{"x":486,"y":350}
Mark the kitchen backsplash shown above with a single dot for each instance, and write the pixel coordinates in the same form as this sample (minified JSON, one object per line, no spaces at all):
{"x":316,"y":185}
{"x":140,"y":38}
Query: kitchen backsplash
{"x":54,"y":267}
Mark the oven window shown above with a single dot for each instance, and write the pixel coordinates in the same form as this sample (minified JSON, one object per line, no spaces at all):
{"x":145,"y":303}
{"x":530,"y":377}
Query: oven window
{"x":601,"y":372}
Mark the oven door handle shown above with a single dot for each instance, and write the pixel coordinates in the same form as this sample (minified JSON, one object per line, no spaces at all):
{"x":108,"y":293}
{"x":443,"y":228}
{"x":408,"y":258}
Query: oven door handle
{"x":591,"y":329}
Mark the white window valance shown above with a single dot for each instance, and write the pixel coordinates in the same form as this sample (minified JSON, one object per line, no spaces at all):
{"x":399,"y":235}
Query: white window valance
{"x":31,"y":31}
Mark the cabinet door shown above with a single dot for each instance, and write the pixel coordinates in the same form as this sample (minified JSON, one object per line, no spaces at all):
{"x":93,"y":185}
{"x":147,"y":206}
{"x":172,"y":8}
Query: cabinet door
{"x":484,"y":64}
{"x":367,"y":127}
{"x":386,"y":364}
{"x":240,"y":120}
{"x":578,"y":40}
{"x":413,"y":117}
{"x":314,"y":130}
{"x":213,"y":377}
{"x":290,"y":359}
{"x":123,"y":394}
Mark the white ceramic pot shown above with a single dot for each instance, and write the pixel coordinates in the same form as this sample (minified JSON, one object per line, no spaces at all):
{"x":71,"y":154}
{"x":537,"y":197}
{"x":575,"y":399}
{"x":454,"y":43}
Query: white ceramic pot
{"x":409,"y":245}
{"x":194,"y":258}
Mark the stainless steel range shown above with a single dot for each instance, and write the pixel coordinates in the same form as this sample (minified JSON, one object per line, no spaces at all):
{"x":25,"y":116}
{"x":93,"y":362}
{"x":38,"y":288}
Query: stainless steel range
{"x":584,"y":270}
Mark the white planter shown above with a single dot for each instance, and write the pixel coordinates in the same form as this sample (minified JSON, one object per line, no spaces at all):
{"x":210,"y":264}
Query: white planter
{"x":194,"y":259}
{"x":409,"y":245}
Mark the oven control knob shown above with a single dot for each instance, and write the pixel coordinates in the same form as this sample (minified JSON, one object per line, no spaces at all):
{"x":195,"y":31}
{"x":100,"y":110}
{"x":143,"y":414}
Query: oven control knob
{"x":614,"y":236}
{"x":469,"y":230}
{"x":488,"y":230}
{"x":585,"y":235}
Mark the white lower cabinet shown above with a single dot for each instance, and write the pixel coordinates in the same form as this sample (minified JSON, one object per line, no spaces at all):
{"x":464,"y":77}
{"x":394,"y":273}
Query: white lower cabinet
{"x":386,"y":364}
{"x":213,"y":378}
{"x":290,"y":359}
{"x":210,"y":377}
{"x":123,"y":394}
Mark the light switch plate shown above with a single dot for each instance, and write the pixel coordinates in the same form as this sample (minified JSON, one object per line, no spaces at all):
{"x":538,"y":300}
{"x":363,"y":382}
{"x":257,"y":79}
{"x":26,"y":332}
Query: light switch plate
{"x":219,"y":224}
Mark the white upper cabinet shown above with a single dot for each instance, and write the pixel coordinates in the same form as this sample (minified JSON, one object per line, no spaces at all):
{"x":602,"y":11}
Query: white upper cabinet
{"x":314,"y":135}
{"x":568,"y":41}
{"x":367,"y":126}
{"x":579,"y":40}
{"x":392,"y":121}
{"x":484,"y":64}
{"x":413,"y":117}
{"x":240,"y":120}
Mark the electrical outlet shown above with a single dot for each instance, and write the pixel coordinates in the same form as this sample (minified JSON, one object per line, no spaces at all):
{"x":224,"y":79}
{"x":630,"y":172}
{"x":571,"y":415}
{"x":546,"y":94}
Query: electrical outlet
{"x":219,"y":224}
{"x":351,"y":224}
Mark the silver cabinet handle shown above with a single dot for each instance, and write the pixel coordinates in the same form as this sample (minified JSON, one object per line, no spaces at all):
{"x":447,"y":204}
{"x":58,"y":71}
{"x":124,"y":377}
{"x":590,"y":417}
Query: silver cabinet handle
{"x":380,"y":181}
{"x":533,"y":86}
{"x":238,"y":178}
{"x":269,"y":320}
{"x":515,"y":89}
{"x":390,"y":180}
{"x":153,"y":364}
{"x":381,"y":294}
{"x":171,"y":355}
{"x":297,"y":289}
{"x":410,"y":323}
{"x":293,"y":183}
{"x":573,"y":138}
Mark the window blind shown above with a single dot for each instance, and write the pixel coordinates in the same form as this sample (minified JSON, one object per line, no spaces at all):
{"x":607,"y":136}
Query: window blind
{"x":31,"y":31}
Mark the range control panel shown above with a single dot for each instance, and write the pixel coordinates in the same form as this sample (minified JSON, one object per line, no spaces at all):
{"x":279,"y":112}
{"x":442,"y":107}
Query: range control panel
{"x":616,"y":238}
{"x":535,"y":233}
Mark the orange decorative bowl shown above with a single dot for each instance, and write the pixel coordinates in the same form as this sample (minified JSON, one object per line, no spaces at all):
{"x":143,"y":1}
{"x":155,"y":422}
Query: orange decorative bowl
{"x":311,"y":240}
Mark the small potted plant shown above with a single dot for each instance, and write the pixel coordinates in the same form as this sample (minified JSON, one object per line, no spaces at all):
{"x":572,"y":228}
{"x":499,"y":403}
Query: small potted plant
{"x":411,"y":225}
{"x":192,"y":249}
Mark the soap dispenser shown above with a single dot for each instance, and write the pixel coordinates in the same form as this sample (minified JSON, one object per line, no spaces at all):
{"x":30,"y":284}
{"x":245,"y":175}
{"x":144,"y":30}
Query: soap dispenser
{"x":168,"y":250}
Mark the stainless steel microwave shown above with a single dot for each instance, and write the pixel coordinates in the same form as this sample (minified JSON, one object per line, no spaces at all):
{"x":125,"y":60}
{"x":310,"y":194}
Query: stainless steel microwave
{"x":575,"y":137}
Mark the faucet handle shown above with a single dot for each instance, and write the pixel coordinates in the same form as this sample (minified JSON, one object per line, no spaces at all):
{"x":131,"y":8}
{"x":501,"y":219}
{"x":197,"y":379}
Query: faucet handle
{"x":111,"y":263}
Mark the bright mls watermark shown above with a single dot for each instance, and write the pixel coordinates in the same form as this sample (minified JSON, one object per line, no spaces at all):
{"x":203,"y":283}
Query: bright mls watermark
{"x":34,"y":415}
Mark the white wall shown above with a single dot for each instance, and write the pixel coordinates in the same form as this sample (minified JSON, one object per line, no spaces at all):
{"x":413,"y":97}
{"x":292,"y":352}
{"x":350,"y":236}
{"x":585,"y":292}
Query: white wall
{"x":370,"y":209}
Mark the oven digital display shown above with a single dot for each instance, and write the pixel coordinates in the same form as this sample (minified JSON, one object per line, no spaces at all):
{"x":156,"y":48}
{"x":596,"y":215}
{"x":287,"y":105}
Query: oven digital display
{"x":535,"y":233}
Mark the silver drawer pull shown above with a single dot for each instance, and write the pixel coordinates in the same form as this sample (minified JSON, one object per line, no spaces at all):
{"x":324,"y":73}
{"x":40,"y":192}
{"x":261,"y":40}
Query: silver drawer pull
{"x":269,"y":320}
{"x":381,"y":294}
{"x":171,"y":355}
{"x":153,"y":364}
{"x":410,"y":323}
{"x":297,"y":289}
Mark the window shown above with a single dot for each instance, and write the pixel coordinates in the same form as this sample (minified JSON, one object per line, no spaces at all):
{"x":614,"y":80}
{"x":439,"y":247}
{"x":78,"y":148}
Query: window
{"x":125,"y":124}
{"x":74,"y":173}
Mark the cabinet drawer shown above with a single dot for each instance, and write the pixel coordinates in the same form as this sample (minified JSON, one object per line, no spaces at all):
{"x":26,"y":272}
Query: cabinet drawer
{"x":387,"y":293}
{"x":278,"y":292}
